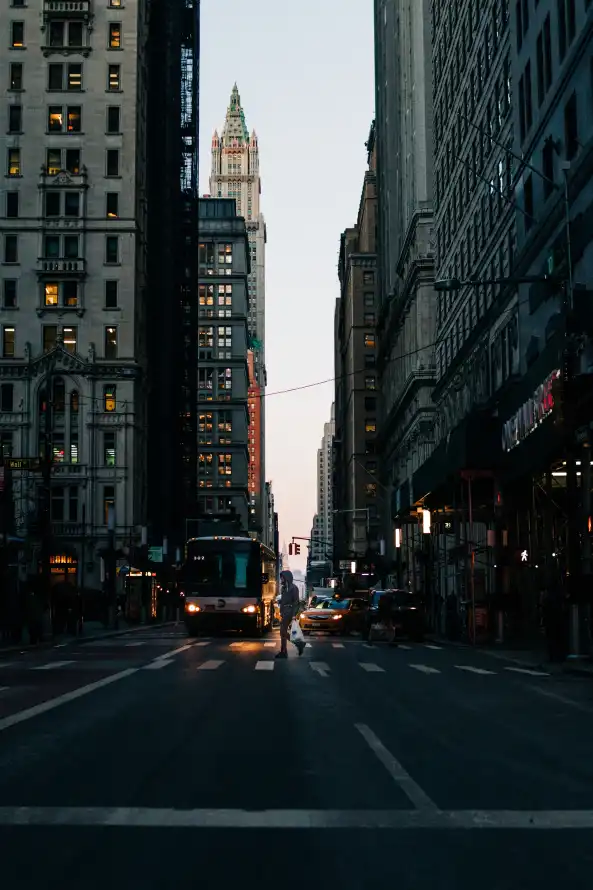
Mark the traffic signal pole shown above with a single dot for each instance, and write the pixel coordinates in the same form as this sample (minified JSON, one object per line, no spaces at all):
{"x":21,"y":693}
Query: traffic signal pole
{"x":46,"y":531}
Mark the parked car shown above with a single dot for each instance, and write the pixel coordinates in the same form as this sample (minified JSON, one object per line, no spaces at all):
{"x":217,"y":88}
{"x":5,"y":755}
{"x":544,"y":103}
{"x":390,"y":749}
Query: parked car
{"x":335,"y":616}
{"x":406,"y":610}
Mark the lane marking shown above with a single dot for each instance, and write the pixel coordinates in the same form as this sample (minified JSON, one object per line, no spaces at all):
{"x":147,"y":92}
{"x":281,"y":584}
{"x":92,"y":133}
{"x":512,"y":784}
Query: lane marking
{"x":210,"y":665}
{"x":320,"y":667}
{"x":157,"y":664}
{"x":53,"y":665}
{"x":560,"y":698}
{"x":527,"y":671}
{"x":411,"y":789}
{"x":265,"y":666}
{"x":145,"y":817}
{"x":338,"y":646}
{"x":270,"y":645}
{"x":432,"y":646}
{"x":406,"y":648}
{"x":237,"y":645}
{"x":371,"y":668}
{"x":60,"y":645}
{"x":473,"y":670}
{"x":367,"y":646}
{"x":177,"y":651}
{"x":7,"y":664}
{"x":307,"y":645}
{"x":133,"y":645}
{"x":46,"y":706}
{"x":424,"y":668}
{"x":203,"y":643}
{"x":4,"y":688}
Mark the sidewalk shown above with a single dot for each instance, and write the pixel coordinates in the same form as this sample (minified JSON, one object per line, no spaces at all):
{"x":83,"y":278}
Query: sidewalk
{"x":536,"y":658}
{"x":93,"y":630}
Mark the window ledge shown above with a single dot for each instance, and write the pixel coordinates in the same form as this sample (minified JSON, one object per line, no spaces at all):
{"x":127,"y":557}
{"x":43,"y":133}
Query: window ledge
{"x":53,"y":310}
{"x":13,"y":175}
{"x":111,"y":308}
{"x":113,"y":92}
{"x":7,"y":263}
{"x":118,"y":133}
{"x":17,"y":49}
{"x":84,"y":51}
{"x":10,"y":308}
{"x":14,"y":132}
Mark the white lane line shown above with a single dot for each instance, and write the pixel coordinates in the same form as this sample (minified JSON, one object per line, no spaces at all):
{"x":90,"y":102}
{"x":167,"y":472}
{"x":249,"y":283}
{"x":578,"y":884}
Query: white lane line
{"x":203,"y":643}
{"x":432,"y":646}
{"x":270,"y":645}
{"x":157,"y":664}
{"x":338,"y":646}
{"x":473,"y":670}
{"x":210,"y":665}
{"x":7,"y":664}
{"x":371,"y":668}
{"x":424,"y":668}
{"x":402,"y":646}
{"x":320,"y":667}
{"x":265,"y":666}
{"x":168,"y":655}
{"x":527,"y":671}
{"x":60,"y":645}
{"x":53,"y":665}
{"x":411,"y":789}
{"x":4,"y":688}
{"x":403,"y":820}
{"x":46,"y":706}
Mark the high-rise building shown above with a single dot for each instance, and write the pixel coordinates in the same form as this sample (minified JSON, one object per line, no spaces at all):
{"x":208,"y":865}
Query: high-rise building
{"x":223,"y":417}
{"x":235,"y":174}
{"x":354,"y":463}
{"x":80,"y":84}
{"x":323,"y":521}
{"x":406,"y":313}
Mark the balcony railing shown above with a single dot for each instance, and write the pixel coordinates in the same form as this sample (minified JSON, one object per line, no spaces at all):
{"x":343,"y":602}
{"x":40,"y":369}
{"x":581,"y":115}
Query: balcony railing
{"x":67,"y":8}
{"x":67,"y":529}
{"x":61,"y":266}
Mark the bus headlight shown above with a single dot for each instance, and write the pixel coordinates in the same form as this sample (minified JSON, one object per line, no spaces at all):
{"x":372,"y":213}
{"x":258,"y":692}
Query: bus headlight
{"x":250,"y":610}
{"x":192,"y":607}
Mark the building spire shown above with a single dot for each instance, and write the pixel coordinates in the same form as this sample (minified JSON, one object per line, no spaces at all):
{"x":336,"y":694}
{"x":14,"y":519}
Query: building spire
{"x":234,"y":125}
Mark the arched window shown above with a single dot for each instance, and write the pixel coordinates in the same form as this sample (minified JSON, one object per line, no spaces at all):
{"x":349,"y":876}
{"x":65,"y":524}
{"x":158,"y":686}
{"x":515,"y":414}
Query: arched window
{"x":74,"y":435}
{"x":74,"y":402}
{"x":59,"y":399}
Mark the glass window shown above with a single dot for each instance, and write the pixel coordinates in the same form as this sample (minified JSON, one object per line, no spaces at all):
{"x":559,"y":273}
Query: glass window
{"x":53,"y":201}
{"x":109,"y":449}
{"x":111,"y":249}
{"x":111,"y":294}
{"x":74,"y":77}
{"x":51,"y":291}
{"x":69,"y":335}
{"x":75,"y":34}
{"x":74,"y":119}
{"x":110,"y":342}
{"x":53,"y":161}
{"x":9,"y":291}
{"x":55,"y":76}
{"x":369,"y":340}
{"x":56,"y":33}
{"x":70,"y":293}
{"x":108,"y":502}
{"x":114,"y":41}
{"x":71,"y":251}
{"x":13,"y":164}
{"x":50,"y":337}
{"x":17,"y":35}
{"x":113,"y":119}
{"x":114,"y":78}
{"x":51,"y":247}
{"x":112,"y":162}
{"x":112,"y":205}
{"x":55,"y":119}
{"x":57,"y":503}
{"x":15,"y":118}
{"x":72,"y":204}
{"x":8,"y":341}
{"x":16,"y":76}
{"x":73,"y":161}
{"x":7,"y":397}
{"x":11,"y":249}
{"x":109,"y":397}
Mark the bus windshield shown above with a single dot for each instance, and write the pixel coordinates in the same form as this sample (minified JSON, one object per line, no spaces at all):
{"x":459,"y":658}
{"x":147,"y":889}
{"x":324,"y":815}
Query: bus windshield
{"x":213,"y":567}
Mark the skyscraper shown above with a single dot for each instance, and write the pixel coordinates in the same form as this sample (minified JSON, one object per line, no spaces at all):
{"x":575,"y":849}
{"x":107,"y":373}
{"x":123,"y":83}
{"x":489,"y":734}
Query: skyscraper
{"x":235,"y":174}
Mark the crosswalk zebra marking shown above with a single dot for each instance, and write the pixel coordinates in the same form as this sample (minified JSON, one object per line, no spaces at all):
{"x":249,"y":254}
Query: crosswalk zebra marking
{"x":265,"y":666}
{"x":473,"y":670}
{"x":338,"y":646}
{"x":371,"y":668}
{"x":531,"y":673}
{"x":210,"y":665}
{"x":53,"y":665}
{"x":424,"y":669}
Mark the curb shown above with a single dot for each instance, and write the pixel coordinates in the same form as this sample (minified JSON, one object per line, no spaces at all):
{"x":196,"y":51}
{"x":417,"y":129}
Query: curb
{"x":30,"y":647}
{"x":566,"y":668}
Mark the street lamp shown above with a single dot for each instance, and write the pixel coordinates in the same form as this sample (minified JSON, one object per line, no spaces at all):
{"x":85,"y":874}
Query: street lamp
{"x":444,"y":285}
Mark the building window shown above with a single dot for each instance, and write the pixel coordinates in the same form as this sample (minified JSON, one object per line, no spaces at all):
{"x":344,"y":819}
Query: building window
{"x":17,"y":35}
{"x":370,"y":490}
{"x":113,"y":119}
{"x":111,"y":289}
{"x":114,"y":39}
{"x":74,"y":79}
{"x":63,"y":293}
{"x":370,"y":382}
{"x":370,"y":403}
{"x":115,"y":4}
{"x":111,"y":249}
{"x":206,"y":259}
{"x":16,"y":76}
{"x":369,"y":318}
{"x":225,"y":257}
{"x":110,"y":342}
{"x":15,"y":118}
{"x":225,"y":381}
{"x":69,"y":161}
{"x":369,"y":340}
{"x":11,"y":249}
{"x":571,"y":128}
{"x":13,"y":163}
{"x":7,"y":397}
{"x":9,"y":293}
{"x":112,"y":162}
{"x":12,"y":205}
{"x":112,"y":205}
{"x":108,"y":503}
{"x":369,"y":301}
{"x":368,"y":277}
{"x":114,"y":78}
{"x":370,"y":426}
{"x":8,"y":341}
{"x":206,"y":337}
{"x":109,"y":449}
{"x":67,"y":334}
{"x":225,"y":465}
{"x":109,"y":397}
{"x":6,"y":444}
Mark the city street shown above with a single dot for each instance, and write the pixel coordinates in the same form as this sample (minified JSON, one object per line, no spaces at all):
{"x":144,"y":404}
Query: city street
{"x":153,"y":760}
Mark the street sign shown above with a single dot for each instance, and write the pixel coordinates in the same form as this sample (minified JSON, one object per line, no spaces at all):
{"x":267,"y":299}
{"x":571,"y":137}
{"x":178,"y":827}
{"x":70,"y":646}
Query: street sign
{"x":23,"y":463}
{"x":155,"y":554}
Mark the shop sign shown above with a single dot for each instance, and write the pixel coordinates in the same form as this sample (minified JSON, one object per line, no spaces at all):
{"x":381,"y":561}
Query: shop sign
{"x":530,"y":415}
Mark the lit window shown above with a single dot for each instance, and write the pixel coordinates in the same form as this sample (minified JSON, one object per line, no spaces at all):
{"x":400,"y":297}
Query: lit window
{"x":51,"y":294}
{"x":8,"y":341}
{"x":55,"y":119}
{"x":369,"y":341}
{"x":14,"y":162}
{"x":108,"y":503}
{"x":74,"y":119}
{"x":112,"y":202}
{"x":114,"y":41}
{"x":114,"y":78}
{"x":69,"y":337}
{"x":109,"y":398}
{"x":110,"y":342}
{"x":370,"y":426}
{"x":74,"y":77}
{"x":17,"y":35}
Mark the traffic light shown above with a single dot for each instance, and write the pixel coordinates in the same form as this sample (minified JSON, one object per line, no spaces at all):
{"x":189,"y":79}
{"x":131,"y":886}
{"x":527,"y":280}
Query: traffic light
{"x":297,"y":549}
{"x":290,"y":549}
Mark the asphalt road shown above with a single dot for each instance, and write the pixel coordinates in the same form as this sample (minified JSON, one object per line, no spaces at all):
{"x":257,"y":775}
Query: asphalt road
{"x":157,"y":761}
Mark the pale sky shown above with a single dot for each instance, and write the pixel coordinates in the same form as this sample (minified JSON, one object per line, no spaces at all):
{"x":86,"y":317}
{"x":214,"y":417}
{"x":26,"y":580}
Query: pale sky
{"x":305,"y":73}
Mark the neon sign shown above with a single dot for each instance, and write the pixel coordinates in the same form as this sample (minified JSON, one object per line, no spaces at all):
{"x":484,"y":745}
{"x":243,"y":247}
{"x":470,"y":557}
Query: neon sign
{"x":530,"y":415}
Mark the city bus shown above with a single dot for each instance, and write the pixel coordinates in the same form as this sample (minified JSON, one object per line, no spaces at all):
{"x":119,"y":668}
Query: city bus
{"x":228,"y":583}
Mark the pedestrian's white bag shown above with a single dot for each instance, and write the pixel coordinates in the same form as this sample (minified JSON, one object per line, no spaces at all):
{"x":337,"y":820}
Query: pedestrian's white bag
{"x":296,"y":634}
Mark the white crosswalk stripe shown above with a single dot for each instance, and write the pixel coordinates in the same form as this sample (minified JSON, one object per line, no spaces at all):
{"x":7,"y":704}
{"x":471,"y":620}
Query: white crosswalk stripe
{"x":203,"y":643}
{"x":4,"y":688}
{"x":265,"y":665}
{"x":531,"y":673}
{"x":371,"y":668}
{"x":432,"y":646}
{"x":270,"y":645}
{"x":53,"y":665}
{"x":403,"y":646}
{"x":158,"y":664}
{"x":320,"y":667}
{"x":473,"y":670}
{"x":210,"y":665}
{"x":338,"y":646}
{"x":424,"y":669}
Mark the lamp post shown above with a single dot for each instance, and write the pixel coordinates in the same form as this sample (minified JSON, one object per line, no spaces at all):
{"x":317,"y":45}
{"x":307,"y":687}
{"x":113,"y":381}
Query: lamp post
{"x":46,"y":475}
